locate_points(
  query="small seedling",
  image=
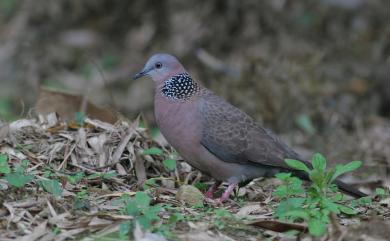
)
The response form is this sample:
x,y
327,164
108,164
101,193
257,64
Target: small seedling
x,y
74,179
144,214
153,151
51,186
4,167
315,204
170,164
17,176
105,175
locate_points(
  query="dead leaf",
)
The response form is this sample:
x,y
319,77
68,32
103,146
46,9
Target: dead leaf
x,y
277,226
65,105
38,232
140,170
140,235
203,236
248,209
95,221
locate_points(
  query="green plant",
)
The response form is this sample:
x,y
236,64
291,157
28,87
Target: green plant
x,y
170,164
4,167
382,193
51,186
80,118
315,204
142,212
74,179
105,175
220,216
152,151
17,176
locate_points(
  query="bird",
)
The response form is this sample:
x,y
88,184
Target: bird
x,y
214,136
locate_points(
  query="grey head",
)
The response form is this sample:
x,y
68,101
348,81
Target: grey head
x,y
161,67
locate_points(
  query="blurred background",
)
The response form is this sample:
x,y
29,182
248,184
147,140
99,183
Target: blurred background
x,y
316,72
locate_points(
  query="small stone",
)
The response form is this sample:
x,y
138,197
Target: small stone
x,y
190,195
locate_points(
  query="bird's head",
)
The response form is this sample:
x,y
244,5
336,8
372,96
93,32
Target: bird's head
x,y
161,67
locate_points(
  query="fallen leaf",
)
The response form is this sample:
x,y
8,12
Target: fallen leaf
x,y
277,226
38,232
65,105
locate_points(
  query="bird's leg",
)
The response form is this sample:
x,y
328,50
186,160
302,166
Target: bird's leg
x,y
225,196
212,189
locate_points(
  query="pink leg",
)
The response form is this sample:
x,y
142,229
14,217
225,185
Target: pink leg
x,y
225,196
212,189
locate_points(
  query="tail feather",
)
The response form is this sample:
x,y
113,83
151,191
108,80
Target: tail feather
x,y
348,189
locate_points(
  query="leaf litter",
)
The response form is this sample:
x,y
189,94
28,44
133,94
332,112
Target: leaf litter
x,y
81,171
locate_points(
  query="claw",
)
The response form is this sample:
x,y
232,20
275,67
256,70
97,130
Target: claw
x,y
225,196
212,189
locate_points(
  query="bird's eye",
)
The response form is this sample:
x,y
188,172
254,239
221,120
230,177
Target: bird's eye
x,y
158,65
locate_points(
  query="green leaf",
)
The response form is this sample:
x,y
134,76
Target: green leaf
x,y
4,167
297,214
331,206
364,201
109,174
142,199
51,186
124,229
288,205
298,165
319,162
153,151
380,191
346,210
176,217
93,176
73,179
22,167
149,183
152,212
132,209
317,177
144,222
201,186
281,191
80,118
317,227
283,176
18,179
341,169
170,164
305,123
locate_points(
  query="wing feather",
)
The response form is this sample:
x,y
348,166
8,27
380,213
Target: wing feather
x,y
233,136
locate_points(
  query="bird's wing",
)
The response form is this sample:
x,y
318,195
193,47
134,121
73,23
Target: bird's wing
x,y
233,136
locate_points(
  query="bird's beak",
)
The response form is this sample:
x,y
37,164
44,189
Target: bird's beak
x,y
142,73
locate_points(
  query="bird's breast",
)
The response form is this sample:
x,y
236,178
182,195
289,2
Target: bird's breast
x,y
180,124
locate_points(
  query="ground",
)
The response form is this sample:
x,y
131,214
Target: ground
x,y
316,73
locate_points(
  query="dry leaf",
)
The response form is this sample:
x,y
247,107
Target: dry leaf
x,y
277,226
65,105
38,232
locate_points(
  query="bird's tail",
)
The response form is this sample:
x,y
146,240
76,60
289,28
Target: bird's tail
x,y
348,189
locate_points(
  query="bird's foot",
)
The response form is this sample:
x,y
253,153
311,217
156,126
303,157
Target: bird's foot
x,y
209,194
225,196
212,189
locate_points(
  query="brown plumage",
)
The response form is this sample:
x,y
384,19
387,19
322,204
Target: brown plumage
x,y
213,135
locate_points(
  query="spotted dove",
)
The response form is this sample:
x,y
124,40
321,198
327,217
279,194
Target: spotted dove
x,y
212,135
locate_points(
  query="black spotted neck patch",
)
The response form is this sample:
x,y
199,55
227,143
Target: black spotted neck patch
x,y
179,87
